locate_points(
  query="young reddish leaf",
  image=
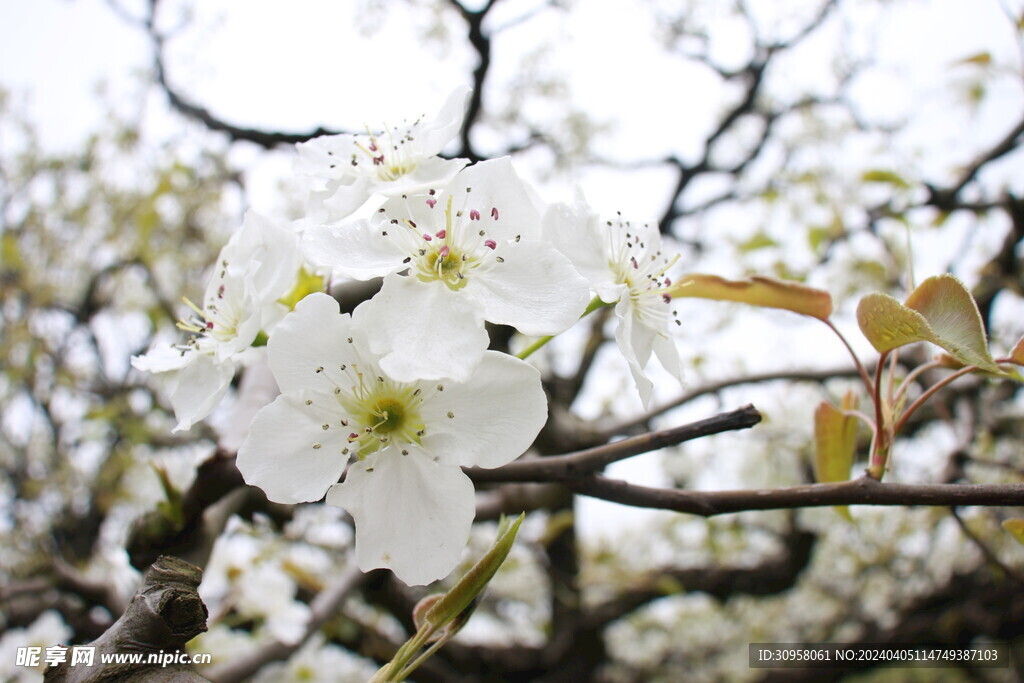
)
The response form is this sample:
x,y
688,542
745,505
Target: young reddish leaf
x,y
888,324
757,291
1017,355
835,443
1015,527
954,319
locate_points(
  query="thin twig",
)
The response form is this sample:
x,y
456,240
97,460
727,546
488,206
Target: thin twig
x,y
990,556
581,463
863,491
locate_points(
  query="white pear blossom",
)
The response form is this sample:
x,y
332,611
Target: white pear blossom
x,y
453,257
47,631
248,573
390,161
318,661
402,443
258,266
625,265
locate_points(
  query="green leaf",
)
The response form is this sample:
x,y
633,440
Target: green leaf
x,y
461,596
880,175
758,241
305,283
940,311
1015,527
757,291
835,443
953,315
888,324
171,508
439,617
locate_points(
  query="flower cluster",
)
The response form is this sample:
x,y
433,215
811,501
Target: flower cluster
x,y
395,398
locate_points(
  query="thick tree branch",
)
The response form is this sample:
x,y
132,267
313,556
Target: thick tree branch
x,y
164,614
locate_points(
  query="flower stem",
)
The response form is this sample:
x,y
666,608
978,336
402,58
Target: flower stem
x,y
930,392
881,442
594,304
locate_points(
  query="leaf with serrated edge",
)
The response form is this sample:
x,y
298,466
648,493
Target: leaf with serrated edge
x,y
1015,527
888,324
757,291
940,311
955,320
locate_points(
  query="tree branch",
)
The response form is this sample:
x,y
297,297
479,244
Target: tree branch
x,y
770,577
862,491
164,614
574,465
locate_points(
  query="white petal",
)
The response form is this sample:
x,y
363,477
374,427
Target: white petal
x,y
494,417
536,289
353,248
289,623
161,358
313,336
246,329
321,156
430,172
507,206
256,390
268,251
638,340
422,330
436,134
201,385
575,231
281,455
629,339
412,515
668,354
341,199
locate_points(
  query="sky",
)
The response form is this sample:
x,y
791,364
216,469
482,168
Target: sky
x,y
307,67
